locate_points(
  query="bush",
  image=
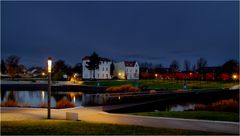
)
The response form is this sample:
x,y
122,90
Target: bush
x,y
9,103
64,104
123,88
229,105
225,105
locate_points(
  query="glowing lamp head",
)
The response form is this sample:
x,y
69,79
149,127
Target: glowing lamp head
x,y
49,64
234,76
119,74
156,75
43,74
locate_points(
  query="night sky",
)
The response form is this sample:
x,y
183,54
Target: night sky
x,y
156,32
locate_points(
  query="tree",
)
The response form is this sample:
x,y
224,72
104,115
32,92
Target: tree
x,y
186,65
77,68
174,66
194,67
158,66
12,63
59,69
230,67
3,67
201,62
112,68
93,63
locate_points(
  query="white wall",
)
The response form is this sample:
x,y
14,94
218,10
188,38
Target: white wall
x,y
124,72
103,72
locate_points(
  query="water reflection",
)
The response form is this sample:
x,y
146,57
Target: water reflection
x,y
43,95
38,98
182,107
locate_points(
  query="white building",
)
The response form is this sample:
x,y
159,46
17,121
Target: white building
x,y
103,72
127,70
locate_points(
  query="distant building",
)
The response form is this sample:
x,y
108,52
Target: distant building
x,y
127,70
103,72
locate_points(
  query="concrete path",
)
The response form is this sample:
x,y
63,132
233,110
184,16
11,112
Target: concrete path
x,y
96,115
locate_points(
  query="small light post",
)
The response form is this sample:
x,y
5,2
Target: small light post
x,y
49,86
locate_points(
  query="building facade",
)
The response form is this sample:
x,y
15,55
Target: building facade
x,y
127,70
103,72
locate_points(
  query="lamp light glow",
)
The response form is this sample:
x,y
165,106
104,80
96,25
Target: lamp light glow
x,y
234,77
49,64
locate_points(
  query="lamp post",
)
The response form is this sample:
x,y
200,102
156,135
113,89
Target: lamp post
x,y
49,86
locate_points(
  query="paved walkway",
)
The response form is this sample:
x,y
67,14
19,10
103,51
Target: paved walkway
x,y
96,115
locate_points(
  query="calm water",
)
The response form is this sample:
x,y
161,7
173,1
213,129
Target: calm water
x,y
37,98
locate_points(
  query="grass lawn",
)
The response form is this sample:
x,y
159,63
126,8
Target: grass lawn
x,y
164,84
47,127
205,115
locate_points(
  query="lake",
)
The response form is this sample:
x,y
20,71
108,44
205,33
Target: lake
x,y
39,97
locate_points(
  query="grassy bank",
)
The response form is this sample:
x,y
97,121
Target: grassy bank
x,y
205,115
47,127
164,84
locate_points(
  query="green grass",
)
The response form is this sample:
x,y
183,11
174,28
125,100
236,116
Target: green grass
x,y
205,115
47,127
165,84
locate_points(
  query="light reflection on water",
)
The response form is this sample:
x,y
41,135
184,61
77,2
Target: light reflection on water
x,y
37,98
183,107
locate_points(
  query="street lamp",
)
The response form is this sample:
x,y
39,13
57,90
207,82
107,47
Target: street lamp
x,y
49,86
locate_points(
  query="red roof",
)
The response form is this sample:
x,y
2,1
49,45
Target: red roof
x,y
101,59
129,63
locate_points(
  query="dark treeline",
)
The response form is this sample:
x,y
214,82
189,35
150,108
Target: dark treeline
x,y
62,71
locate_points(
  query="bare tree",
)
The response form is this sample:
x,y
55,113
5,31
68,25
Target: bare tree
x,y
3,67
201,62
12,63
186,65
194,67
174,66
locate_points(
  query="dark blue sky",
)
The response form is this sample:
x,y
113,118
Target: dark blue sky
x,y
156,32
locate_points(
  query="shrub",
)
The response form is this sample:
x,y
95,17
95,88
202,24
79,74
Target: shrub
x,y
9,103
122,88
200,107
133,89
64,104
229,105
225,105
